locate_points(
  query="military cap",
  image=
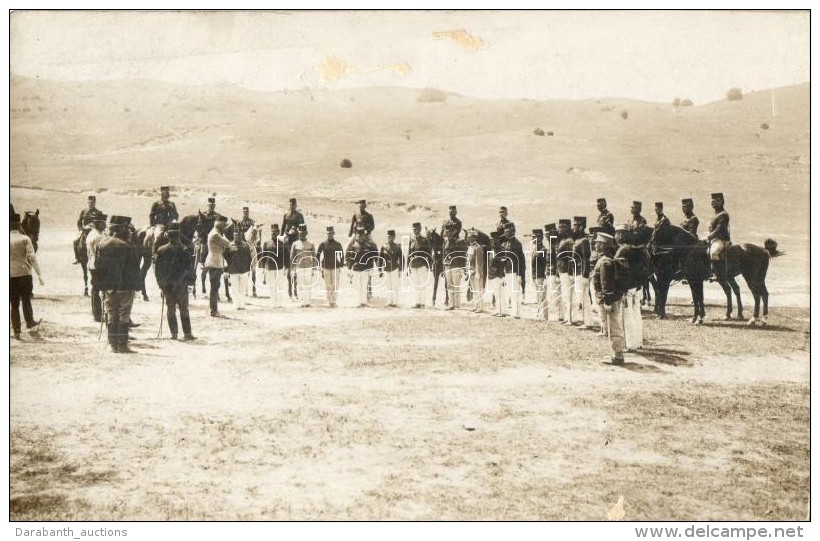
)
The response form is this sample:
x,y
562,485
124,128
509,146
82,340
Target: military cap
x,y
502,209
293,200
637,204
718,196
391,232
100,218
173,228
362,202
659,206
92,197
687,201
621,227
601,200
564,221
212,200
452,207
580,220
537,233
164,189
330,229
605,238
120,220
416,225
245,208
549,227
14,218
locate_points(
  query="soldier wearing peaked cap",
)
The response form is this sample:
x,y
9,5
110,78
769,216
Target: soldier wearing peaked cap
x,y
567,268
690,222
583,253
362,219
274,257
636,221
452,222
608,293
538,269
419,262
502,220
515,265
495,274
292,218
210,210
476,269
246,222
362,258
392,261
454,261
87,216
719,238
553,307
330,255
92,242
174,272
661,222
303,264
118,276
164,211
606,221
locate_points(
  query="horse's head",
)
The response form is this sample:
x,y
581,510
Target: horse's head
x,y
639,262
31,223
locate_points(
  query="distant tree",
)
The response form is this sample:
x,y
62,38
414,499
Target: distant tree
x,y
734,94
765,126
624,114
347,164
676,102
431,95
538,131
687,103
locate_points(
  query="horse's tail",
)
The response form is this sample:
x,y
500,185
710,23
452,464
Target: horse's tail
x,y
771,246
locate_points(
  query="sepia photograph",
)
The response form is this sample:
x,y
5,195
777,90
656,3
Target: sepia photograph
x,y
409,265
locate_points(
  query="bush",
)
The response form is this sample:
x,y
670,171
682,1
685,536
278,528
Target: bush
x,y
765,126
624,114
538,131
347,164
687,103
550,133
734,94
431,95
676,102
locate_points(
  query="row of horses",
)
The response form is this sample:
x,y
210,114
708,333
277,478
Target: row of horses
x,y
673,254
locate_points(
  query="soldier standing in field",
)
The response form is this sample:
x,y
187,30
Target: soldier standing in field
x,y
330,255
362,219
92,241
303,263
418,265
393,261
452,222
609,294
274,259
174,273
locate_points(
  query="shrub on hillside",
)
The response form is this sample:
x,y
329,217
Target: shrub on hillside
x,y
346,164
687,103
538,131
624,114
734,94
431,95
765,126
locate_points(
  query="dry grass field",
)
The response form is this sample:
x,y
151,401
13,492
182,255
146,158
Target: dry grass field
x,y
396,413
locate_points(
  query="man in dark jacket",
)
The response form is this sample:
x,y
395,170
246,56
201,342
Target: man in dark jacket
x,y
454,260
330,255
173,267
393,260
362,258
609,293
275,259
239,264
515,265
118,276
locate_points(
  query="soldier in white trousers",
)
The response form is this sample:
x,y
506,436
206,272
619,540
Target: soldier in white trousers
x,y
418,266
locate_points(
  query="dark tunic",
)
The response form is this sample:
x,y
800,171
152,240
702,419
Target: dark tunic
x,y
392,258
331,254
162,213
563,253
606,221
173,267
419,253
515,262
691,224
362,256
454,224
364,219
583,255
454,254
273,254
238,255
719,226
291,219
538,261
87,216
117,266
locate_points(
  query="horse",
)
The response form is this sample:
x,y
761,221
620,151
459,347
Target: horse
x,y
31,226
81,249
436,246
752,262
641,237
677,254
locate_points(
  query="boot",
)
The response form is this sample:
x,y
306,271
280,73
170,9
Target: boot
x,y
123,339
186,328
112,336
172,325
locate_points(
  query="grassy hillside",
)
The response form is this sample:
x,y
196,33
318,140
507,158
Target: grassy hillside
x,y
409,152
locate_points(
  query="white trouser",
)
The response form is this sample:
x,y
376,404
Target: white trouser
x,y
582,295
331,277
276,280
360,280
240,281
393,279
615,327
452,281
512,284
419,281
567,290
496,287
633,321
554,305
540,297
304,283
478,291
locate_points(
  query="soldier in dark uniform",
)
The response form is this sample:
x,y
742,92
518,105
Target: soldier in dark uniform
x,y
330,255
515,267
292,218
495,274
502,221
538,268
566,267
118,276
174,273
87,215
661,221
246,222
210,211
419,263
454,261
452,222
583,253
393,261
362,257
553,310
636,221
606,221
163,212
719,238
690,222
609,294
274,256
363,219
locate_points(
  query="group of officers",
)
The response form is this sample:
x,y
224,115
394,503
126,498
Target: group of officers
x,y
571,271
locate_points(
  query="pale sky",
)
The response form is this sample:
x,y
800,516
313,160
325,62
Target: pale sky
x,y
649,55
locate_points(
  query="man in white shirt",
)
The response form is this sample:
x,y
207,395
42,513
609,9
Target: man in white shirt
x,y
21,261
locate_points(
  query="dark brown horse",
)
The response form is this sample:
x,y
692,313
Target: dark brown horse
x,y
436,246
752,262
31,226
679,255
